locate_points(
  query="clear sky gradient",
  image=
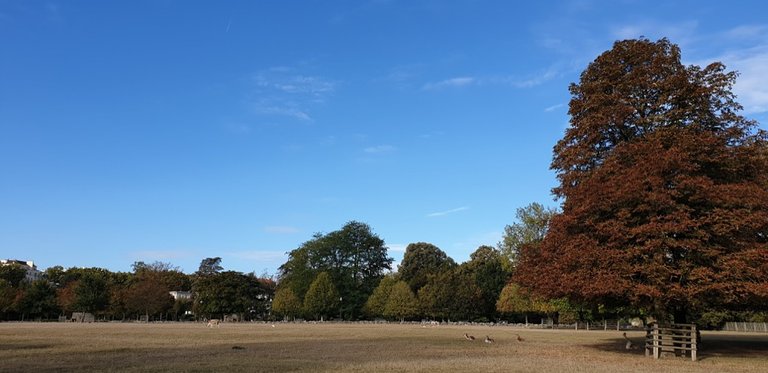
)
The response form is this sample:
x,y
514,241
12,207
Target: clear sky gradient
x,y
178,130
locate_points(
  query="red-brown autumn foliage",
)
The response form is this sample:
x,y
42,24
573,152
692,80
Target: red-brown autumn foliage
x,y
664,188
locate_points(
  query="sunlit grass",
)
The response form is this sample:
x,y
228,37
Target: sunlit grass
x,y
349,348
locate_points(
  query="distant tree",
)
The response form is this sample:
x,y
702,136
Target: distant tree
x,y
7,295
354,258
420,261
374,306
286,304
664,188
208,266
488,267
531,227
38,300
453,295
322,298
55,275
513,300
148,297
401,303
14,274
91,293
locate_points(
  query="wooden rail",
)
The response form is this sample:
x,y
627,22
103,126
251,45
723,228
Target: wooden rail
x,y
679,339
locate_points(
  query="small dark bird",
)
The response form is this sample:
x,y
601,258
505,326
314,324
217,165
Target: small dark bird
x,y
519,338
469,337
238,348
629,344
488,339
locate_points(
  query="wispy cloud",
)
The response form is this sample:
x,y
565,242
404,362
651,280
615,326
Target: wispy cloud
x,y
554,107
378,149
747,53
281,229
443,213
752,84
450,83
397,247
285,91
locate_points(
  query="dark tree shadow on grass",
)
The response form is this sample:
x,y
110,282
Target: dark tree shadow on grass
x,y
712,345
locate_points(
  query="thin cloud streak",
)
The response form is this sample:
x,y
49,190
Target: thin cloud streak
x,y
450,83
443,213
379,149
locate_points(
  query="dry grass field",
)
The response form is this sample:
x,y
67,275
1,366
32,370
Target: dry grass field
x,y
191,347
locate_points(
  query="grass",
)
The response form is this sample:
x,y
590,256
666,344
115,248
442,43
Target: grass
x,y
191,347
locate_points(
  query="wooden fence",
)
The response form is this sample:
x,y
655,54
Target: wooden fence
x,y
680,339
759,327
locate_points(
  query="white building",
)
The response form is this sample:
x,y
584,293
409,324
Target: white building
x,y
32,272
183,295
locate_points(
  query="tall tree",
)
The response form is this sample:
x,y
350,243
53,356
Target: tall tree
x,y
531,227
39,300
664,188
487,266
421,261
374,306
286,304
148,297
354,258
322,298
401,303
14,274
91,293
208,266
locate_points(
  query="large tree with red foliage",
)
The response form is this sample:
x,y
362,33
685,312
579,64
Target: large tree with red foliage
x,y
664,188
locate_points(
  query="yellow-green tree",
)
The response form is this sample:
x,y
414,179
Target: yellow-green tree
x,y
286,304
322,298
401,303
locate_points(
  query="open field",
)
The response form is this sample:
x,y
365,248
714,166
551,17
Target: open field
x,y
350,348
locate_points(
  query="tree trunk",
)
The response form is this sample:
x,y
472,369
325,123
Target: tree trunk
x,y
680,315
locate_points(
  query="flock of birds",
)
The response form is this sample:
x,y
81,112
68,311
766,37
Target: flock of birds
x,y
488,339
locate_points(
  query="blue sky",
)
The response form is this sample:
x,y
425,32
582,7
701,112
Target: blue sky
x,y
179,130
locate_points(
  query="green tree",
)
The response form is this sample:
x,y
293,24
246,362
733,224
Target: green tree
x,y
374,306
286,304
208,266
322,298
513,299
420,261
7,295
531,227
401,303
91,293
488,267
14,274
354,258
453,295
664,189
38,300
229,292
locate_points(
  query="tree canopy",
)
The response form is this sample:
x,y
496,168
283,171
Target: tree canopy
x,y
421,261
664,190
353,257
531,227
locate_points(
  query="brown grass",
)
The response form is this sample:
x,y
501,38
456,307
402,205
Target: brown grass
x,y
350,348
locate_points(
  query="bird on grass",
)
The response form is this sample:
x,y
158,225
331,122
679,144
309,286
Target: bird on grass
x,y
519,338
488,339
629,345
469,337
